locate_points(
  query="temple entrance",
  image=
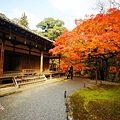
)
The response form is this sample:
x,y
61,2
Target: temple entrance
x,y
12,61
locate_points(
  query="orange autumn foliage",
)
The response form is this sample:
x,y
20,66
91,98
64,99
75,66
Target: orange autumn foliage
x,y
101,32
97,36
112,69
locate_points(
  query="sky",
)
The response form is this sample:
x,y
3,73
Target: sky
x,y
37,10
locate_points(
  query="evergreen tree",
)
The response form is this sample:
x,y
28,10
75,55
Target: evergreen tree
x,y
23,20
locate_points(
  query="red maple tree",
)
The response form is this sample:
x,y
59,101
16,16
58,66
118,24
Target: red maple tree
x,y
97,37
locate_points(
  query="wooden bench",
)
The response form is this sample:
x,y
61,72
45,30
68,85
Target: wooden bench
x,y
29,71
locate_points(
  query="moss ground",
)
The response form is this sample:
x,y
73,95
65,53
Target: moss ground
x,y
100,102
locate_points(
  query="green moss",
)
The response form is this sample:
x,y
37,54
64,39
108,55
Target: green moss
x,y
96,103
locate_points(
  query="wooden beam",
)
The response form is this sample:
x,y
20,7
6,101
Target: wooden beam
x,y
59,62
14,43
2,55
41,62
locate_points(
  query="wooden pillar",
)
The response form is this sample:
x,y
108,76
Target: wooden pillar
x,y
41,62
2,55
59,62
14,43
29,56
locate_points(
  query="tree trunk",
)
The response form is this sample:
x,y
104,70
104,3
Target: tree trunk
x,y
117,72
106,70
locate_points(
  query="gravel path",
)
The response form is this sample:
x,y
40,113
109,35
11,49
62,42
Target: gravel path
x,y
42,103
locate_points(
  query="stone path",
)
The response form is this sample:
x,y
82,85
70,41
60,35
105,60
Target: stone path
x,y
41,103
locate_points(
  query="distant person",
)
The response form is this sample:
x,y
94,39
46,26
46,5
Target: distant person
x,y
70,72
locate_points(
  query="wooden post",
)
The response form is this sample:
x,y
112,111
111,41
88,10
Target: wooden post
x,y
2,55
29,62
14,43
84,85
30,49
65,94
41,62
59,61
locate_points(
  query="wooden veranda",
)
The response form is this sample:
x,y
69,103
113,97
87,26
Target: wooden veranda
x,y
21,49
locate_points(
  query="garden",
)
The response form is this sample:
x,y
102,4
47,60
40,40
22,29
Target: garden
x,y
101,102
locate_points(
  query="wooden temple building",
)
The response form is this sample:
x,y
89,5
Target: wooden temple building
x,y
22,49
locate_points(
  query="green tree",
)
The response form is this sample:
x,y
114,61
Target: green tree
x,y
51,28
23,20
